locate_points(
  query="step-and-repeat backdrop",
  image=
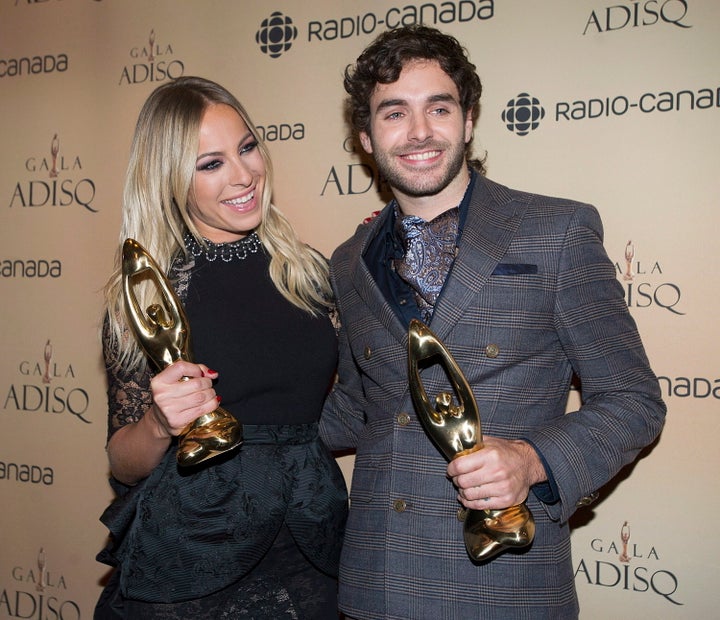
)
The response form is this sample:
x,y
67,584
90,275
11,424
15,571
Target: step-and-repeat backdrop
x,y
613,102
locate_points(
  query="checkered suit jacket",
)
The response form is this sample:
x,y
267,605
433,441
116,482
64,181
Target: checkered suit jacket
x,y
532,278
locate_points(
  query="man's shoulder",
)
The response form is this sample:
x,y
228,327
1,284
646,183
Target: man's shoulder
x,y
368,227
505,198
503,193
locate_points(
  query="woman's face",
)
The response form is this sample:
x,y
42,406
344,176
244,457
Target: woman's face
x,y
227,187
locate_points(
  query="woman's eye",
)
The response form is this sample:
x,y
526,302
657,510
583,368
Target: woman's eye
x,y
210,165
250,146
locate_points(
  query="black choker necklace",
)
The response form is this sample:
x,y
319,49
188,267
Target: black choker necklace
x,y
226,251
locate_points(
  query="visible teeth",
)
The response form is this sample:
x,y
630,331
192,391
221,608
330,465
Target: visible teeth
x,y
240,201
422,156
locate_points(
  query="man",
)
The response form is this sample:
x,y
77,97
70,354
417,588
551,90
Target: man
x,y
522,293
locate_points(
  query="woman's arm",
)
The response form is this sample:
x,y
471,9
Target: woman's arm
x,y
146,412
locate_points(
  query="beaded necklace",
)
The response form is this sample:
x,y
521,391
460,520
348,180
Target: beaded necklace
x,y
227,252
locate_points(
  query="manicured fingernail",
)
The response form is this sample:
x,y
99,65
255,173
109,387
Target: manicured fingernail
x,y
218,399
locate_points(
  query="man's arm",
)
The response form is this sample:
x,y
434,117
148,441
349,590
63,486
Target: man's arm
x,y
622,411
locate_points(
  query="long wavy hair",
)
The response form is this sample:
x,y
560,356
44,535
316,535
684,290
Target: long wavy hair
x,y
155,206
383,60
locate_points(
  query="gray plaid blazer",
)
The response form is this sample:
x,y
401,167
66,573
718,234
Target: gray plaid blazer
x,y
532,278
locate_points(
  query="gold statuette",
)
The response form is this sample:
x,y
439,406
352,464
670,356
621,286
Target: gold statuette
x,y
455,429
163,333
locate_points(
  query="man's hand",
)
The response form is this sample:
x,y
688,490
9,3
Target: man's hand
x,y
499,475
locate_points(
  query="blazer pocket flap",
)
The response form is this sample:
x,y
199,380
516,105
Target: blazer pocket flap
x,y
514,269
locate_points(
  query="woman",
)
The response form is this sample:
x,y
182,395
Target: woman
x,y
254,533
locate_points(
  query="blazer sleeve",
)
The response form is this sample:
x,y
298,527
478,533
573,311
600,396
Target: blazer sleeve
x,y
343,416
622,410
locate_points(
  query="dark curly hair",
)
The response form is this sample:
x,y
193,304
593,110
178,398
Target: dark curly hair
x,y
383,60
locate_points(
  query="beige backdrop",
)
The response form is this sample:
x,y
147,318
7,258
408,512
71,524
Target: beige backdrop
x,y
612,102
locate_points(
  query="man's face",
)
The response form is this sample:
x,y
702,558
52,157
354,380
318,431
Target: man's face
x,y
418,131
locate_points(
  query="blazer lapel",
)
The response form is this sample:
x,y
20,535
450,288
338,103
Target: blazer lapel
x,y
365,284
492,222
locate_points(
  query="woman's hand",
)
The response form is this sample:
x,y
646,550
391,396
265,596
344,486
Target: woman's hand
x,y
136,449
182,392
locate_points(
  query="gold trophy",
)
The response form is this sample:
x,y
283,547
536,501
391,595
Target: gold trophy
x,y
625,537
47,356
41,562
455,429
151,41
163,333
629,255
54,150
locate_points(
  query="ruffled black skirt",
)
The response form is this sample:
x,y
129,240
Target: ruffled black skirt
x,y
262,524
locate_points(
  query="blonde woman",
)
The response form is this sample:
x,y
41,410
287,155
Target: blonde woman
x,y
254,533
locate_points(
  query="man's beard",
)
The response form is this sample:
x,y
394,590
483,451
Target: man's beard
x,y
421,183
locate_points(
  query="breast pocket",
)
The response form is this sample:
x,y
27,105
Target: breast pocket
x,y
515,269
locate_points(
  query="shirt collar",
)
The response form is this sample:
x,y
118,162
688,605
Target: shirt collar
x,y
390,229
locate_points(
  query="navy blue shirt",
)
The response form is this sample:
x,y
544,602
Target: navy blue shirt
x,y
387,246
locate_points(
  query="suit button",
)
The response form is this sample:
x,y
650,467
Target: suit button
x,y
492,351
367,353
587,499
400,505
403,419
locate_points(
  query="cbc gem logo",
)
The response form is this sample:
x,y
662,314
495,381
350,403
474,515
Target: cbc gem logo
x,y
276,34
523,114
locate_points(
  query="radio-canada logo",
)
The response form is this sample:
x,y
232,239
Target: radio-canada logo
x,y
523,114
57,180
276,34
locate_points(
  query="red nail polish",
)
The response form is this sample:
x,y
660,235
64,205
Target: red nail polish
x,y
218,399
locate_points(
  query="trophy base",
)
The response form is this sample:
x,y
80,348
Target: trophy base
x,y
489,532
207,437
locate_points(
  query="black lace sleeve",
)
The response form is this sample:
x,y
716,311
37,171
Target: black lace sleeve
x,y
128,390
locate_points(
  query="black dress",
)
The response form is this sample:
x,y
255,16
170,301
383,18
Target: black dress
x,y
255,533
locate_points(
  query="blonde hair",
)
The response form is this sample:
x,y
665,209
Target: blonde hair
x,y
155,206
